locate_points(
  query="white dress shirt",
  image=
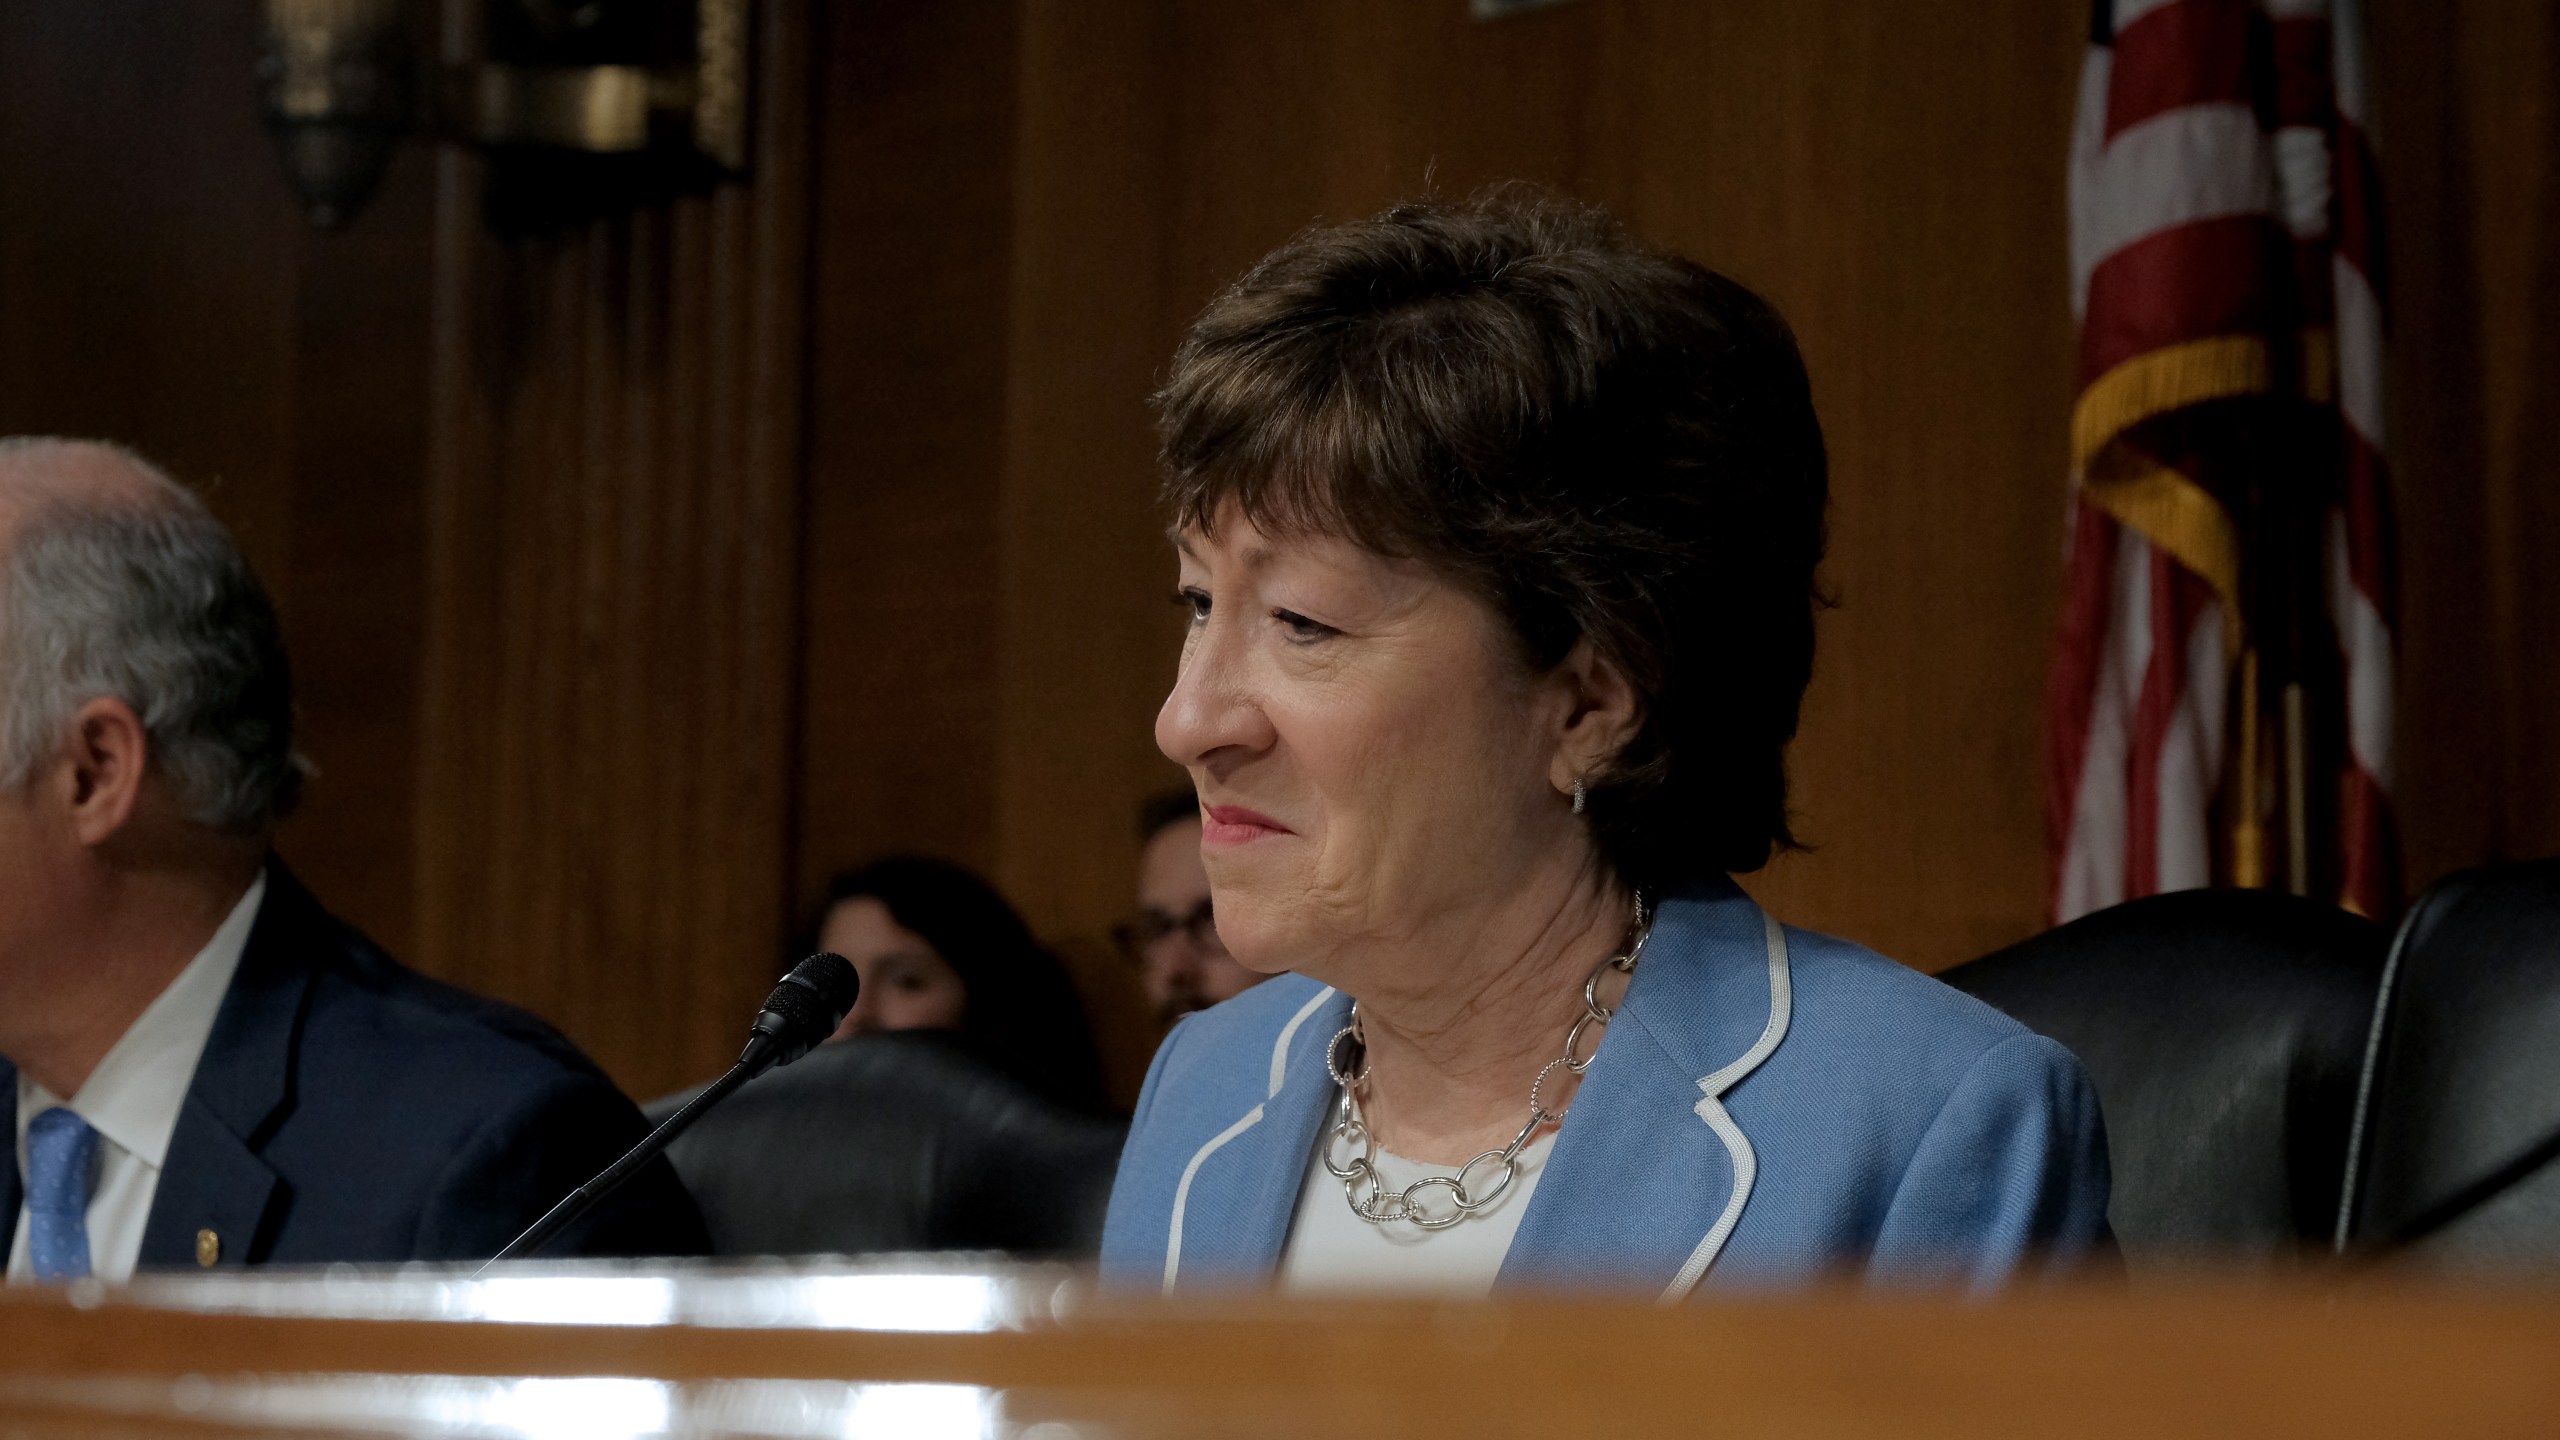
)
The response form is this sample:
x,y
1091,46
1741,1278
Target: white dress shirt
x,y
133,1097
1333,1250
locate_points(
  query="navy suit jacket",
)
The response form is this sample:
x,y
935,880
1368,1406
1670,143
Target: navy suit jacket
x,y
1775,1104
350,1109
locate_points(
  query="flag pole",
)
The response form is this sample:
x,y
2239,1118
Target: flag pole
x,y
2297,792
2248,833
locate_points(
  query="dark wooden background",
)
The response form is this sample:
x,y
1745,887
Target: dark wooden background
x,y
641,573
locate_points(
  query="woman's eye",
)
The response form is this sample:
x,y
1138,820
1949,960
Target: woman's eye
x,y
1301,629
1195,601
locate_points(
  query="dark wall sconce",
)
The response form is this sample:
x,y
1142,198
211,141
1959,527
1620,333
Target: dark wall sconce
x,y
593,94
338,84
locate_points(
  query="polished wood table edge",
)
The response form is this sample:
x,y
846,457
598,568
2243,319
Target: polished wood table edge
x,y
2194,1356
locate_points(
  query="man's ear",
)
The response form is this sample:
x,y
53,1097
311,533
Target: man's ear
x,y
1602,716
105,761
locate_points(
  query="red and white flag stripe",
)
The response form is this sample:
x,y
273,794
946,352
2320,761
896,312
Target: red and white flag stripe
x,y
2219,151
2364,602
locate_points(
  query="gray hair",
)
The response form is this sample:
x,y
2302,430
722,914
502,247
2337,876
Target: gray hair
x,y
148,600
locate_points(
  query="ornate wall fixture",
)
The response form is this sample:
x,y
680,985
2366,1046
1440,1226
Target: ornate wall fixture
x,y
593,102
337,83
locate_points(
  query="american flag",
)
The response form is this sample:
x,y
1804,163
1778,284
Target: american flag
x,y
2219,711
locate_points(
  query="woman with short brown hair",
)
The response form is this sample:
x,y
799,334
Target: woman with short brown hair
x,y
1499,532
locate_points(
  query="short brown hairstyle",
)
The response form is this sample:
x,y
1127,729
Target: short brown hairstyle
x,y
1601,440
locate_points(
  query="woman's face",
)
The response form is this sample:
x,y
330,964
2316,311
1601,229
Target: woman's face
x,y
905,985
1374,760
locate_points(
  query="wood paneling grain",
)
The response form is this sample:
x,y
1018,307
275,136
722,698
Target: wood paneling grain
x,y
613,541
1895,182
354,579
1088,632
148,249
911,289
2467,100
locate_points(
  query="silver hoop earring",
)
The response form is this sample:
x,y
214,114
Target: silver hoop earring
x,y
1577,794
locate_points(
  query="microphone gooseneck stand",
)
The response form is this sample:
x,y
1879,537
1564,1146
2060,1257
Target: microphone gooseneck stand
x,y
802,1011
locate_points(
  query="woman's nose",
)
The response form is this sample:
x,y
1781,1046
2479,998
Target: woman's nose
x,y
1211,708
862,1019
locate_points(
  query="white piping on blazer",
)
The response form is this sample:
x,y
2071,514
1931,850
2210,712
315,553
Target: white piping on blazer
x,y
1746,1162
1251,1118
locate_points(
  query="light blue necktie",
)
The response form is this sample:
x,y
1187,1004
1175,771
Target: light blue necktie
x,y
61,1151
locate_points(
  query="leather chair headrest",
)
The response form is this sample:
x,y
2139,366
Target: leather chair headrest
x,y
2224,1030
903,1140
2457,1153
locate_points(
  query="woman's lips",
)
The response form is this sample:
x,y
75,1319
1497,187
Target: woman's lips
x,y
1235,825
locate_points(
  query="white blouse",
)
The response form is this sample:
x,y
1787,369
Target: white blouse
x,y
1332,1250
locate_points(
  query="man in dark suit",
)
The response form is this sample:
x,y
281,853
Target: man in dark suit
x,y
207,1068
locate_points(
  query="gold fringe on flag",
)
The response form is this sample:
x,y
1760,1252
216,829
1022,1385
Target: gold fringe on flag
x,y
2163,380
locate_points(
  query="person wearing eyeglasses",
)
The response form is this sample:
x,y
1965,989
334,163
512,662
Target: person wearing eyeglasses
x,y
1173,940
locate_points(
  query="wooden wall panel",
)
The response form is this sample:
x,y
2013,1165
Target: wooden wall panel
x,y
354,578
148,249
1893,178
1085,587
2468,118
911,287
613,536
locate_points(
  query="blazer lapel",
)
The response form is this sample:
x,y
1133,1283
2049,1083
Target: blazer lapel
x,y
1700,1002
9,1189
213,1182
213,1186
1233,1208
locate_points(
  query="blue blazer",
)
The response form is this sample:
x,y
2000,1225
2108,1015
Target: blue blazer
x,y
1769,1107
348,1108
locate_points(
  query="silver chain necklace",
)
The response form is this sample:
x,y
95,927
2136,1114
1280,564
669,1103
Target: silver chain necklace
x,y
1368,1194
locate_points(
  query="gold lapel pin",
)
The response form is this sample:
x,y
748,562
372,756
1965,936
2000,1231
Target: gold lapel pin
x,y
208,1248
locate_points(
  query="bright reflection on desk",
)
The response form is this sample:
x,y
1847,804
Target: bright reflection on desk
x,y
920,1412
956,1303
533,1408
597,1409
909,1293
462,1407
564,1300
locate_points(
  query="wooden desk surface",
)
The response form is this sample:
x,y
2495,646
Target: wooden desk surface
x,y
927,1350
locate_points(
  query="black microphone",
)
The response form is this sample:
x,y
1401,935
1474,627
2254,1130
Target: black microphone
x,y
803,1010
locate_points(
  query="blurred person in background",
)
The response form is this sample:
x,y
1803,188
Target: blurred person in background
x,y
1173,941
939,949
960,1106
1498,533
209,1069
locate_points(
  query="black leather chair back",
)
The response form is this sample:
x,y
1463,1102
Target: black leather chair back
x,y
2224,1030
2457,1142
895,1141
